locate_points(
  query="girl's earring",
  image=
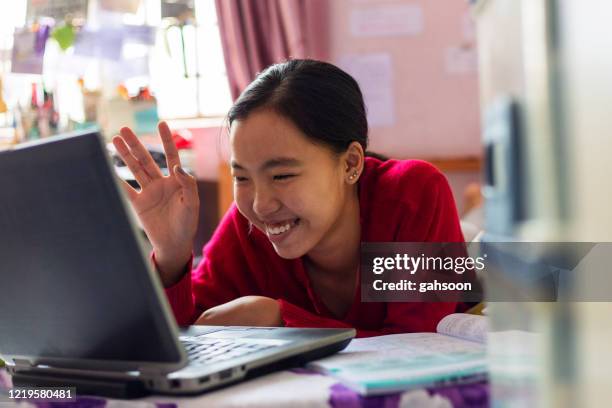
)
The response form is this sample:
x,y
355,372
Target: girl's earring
x,y
353,176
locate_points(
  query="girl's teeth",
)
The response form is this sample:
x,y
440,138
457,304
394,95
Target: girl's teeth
x,y
279,230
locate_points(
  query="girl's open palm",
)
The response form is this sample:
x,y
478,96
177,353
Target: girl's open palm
x,y
167,206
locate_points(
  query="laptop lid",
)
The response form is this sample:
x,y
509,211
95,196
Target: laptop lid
x,y
76,289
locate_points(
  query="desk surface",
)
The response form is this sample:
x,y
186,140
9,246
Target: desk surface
x,y
296,388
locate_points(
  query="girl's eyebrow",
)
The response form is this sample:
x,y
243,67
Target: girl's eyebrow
x,y
281,162
272,163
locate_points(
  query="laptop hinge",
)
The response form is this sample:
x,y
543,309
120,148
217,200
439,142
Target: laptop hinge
x,y
22,363
18,364
149,372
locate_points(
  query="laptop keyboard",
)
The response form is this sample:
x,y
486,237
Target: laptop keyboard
x,y
207,350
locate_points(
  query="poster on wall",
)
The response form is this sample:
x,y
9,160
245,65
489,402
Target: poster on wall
x,y
104,43
27,54
374,73
386,20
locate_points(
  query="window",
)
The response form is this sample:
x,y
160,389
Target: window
x,y
186,84
188,73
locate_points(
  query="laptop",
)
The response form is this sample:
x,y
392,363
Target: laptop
x,y
80,304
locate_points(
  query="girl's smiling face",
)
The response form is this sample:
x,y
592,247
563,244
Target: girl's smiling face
x,y
291,189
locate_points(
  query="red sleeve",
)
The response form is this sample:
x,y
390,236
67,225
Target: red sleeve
x,y
221,276
179,295
438,221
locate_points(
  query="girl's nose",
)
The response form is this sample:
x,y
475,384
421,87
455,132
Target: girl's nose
x,y
265,203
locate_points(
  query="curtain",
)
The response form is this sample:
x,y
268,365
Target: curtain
x,y
258,33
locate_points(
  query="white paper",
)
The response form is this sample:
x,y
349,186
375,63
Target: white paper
x,y
387,20
138,34
465,326
103,43
408,344
402,349
374,73
461,60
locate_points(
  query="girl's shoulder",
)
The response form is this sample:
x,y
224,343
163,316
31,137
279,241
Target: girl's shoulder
x,y
400,178
407,200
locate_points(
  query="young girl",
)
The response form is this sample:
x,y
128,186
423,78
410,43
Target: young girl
x,y
306,196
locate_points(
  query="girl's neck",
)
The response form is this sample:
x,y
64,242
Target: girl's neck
x,y
338,252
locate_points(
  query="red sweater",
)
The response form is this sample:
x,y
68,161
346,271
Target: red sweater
x,y
400,201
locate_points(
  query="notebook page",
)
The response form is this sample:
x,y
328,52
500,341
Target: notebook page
x,y
402,348
407,343
464,326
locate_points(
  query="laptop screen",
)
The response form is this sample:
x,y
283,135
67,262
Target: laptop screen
x,y
74,283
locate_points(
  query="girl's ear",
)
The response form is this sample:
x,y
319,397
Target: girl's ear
x,y
353,162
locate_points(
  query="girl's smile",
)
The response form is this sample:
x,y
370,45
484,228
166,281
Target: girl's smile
x,y
277,232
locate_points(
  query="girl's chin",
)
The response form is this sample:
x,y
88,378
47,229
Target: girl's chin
x,y
288,252
289,244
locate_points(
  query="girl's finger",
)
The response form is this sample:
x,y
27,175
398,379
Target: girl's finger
x,y
133,164
140,153
189,184
172,156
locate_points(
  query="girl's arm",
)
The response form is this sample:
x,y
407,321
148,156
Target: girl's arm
x,y
401,318
221,276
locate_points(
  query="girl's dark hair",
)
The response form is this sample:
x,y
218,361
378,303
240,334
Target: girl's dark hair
x,y
323,101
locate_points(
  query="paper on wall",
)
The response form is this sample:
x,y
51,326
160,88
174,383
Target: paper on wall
x,y
387,20
374,73
25,58
138,34
103,43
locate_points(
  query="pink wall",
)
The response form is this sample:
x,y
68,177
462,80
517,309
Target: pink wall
x,y
429,47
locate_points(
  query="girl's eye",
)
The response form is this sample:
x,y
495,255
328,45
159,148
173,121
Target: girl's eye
x,y
283,176
240,179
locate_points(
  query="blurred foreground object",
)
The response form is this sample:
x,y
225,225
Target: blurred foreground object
x,y
544,92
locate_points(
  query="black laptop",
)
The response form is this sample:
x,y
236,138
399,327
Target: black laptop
x,y
80,304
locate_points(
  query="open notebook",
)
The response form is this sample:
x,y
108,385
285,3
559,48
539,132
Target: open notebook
x,y
397,362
